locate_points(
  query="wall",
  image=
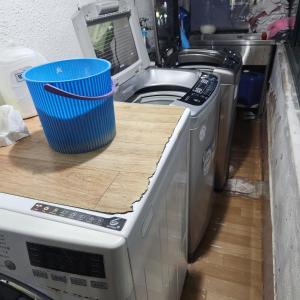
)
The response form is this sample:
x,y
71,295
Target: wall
x,y
44,26
284,167
146,9
218,13
185,4
268,278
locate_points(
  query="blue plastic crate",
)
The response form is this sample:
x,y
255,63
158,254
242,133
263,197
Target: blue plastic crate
x,y
250,88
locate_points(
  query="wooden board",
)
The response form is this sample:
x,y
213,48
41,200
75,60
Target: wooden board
x,y
107,180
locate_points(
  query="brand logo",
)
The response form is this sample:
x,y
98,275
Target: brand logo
x,y
19,74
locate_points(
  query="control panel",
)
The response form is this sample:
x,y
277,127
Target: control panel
x,y
66,260
230,63
233,60
202,90
64,272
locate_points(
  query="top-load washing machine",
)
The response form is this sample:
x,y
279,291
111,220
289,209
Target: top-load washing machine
x,y
228,64
203,100
143,83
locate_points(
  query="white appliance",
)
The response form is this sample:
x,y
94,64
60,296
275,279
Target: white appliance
x,y
64,253
117,37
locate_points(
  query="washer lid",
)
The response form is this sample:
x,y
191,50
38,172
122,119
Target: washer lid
x,y
224,58
201,56
115,36
157,80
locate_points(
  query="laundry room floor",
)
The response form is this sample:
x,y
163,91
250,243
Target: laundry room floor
x,y
229,259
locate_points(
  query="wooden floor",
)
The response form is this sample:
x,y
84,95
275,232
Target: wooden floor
x,y
229,260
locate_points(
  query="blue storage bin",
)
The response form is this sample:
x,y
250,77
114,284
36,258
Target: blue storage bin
x,y
250,88
74,100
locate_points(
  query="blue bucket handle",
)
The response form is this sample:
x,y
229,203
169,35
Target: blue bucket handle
x,y
54,90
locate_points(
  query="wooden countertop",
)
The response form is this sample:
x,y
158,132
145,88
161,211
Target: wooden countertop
x,y
107,180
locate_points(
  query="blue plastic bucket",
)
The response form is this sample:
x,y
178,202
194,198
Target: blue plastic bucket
x,y
74,100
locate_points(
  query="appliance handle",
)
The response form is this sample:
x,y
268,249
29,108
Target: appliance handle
x,y
54,90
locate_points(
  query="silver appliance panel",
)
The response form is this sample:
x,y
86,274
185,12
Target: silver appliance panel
x,y
201,56
226,76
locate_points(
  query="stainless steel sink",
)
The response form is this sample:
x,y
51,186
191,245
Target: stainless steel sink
x,y
204,56
253,49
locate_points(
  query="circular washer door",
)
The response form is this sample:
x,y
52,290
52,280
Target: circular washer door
x,y
12,291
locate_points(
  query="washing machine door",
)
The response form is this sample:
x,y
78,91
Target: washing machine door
x,y
10,289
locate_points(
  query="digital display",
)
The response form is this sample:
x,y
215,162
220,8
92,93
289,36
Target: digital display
x,y
65,260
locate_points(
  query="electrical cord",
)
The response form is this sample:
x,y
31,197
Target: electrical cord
x,y
116,49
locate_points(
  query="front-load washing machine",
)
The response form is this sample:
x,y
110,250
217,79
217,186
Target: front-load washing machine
x,y
117,37
66,251
228,64
11,289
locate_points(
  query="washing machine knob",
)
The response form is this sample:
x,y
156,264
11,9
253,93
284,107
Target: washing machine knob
x,y
10,265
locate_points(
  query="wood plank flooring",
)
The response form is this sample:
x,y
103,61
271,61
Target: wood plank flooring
x,y
229,259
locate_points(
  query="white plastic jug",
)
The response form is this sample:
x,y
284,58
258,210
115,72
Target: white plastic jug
x,y
14,60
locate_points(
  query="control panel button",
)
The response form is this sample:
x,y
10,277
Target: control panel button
x,y
202,90
99,285
59,278
78,281
40,274
10,265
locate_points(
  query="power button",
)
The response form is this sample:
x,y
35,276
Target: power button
x,y
10,265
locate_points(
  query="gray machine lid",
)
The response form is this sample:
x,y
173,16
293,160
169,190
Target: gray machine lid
x,y
158,80
164,79
224,58
201,56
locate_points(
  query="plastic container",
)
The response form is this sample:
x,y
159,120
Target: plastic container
x,y
250,88
74,100
14,61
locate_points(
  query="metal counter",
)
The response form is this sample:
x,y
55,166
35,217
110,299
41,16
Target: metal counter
x,y
254,51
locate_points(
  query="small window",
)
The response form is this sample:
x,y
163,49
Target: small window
x,y
112,40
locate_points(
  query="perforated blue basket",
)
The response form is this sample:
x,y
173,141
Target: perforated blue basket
x,y
74,100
